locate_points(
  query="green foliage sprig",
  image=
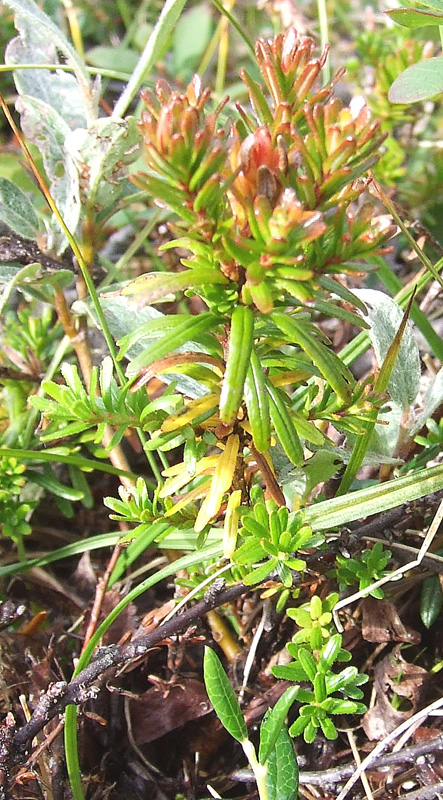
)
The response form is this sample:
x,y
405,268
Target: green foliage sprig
x,y
276,769
315,650
368,567
272,534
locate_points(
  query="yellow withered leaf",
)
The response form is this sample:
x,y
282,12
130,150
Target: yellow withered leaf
x,y
221,482
192,410
183,477
230,531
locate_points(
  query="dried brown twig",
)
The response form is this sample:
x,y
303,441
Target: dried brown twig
x,y
15,744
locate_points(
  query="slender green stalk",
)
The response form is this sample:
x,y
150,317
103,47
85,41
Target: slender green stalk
x,y
235,24
153,49
105,73
427,263
185,562
71,753
324,36
260,771
125,12
57,358
87,464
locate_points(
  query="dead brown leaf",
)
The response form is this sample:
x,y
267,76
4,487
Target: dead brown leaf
x,y
154,713
381,623
393,677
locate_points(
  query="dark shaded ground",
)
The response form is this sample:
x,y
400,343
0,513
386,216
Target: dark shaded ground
x,y
146,729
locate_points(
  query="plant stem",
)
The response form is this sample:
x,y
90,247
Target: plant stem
x,y
260,770
324,36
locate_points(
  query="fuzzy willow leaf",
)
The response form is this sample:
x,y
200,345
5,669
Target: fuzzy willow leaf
x,y
32,22
16,210
102,154
222,697
385,317
283,772
57,88
382,383
273,723
48,131
11,276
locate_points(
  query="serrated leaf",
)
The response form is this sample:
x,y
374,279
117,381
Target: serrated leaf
x,y
222,697
419,82
43,126
330,652
261,573
415,17
102,154
17,211
308,663
273,722
283,772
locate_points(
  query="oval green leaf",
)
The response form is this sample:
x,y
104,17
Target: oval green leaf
x,y
419,82
16,210
415,17
273,723
282,777
222,697
431,600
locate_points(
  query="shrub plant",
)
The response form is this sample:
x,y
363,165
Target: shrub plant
x,y
235,395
